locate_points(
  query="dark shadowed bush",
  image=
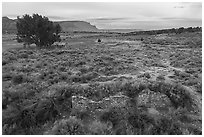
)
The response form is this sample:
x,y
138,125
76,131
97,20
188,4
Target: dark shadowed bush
x,y
18,79
113,115
142,122
71,126
132,90
23,117
46,110
23,55
4,62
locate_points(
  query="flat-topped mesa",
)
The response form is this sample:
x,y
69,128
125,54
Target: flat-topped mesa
x,y
77,26
9,26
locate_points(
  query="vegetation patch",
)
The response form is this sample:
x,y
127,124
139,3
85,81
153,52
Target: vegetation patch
x,y
151,87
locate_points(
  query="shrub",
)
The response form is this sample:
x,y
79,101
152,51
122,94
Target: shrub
x,y
99,128
6,76
23,55
75,78
179,120
4,62
181,97
166,126
63,76
113,115
160,77
132,90
173,122
62,95
46,110
85,69
178,94
142,122
18,79
99,40
71,126
89,76
83,115
146,75
21,116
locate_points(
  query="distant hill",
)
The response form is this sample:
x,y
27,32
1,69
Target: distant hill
x,y
162,31
9,26
120,30
76,26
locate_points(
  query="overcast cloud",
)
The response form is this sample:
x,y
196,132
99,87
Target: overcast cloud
x,y
114,15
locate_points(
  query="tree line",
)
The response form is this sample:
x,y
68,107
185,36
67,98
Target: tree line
x,y
173,30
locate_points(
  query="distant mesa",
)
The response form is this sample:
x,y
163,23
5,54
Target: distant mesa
x,y
9,26
76,26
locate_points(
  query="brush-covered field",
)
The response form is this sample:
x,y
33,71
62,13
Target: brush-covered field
x,y
121,85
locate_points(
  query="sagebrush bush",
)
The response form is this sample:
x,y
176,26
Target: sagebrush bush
x,y
89,76
63,76
142,122
21,116
62,68
84,78
71,126
75,78
23,55
46,110
84,69
113,115
180,120
7,76
177,93
160,77
18,79
98,91
61,89
99,128
4,62
133,89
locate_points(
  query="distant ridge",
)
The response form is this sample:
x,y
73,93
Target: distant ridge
x,y
76,26
162,31
120,30
9,26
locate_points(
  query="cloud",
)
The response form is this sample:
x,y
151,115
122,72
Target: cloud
x,y
108,19
55,18
180,18
179,7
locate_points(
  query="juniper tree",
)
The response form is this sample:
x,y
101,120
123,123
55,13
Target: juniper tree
x,y
37,29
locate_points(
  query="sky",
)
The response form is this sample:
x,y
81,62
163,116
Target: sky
x,y
114,15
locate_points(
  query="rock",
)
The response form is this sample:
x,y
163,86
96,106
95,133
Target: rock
x,y
152,99
79,103
153,111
